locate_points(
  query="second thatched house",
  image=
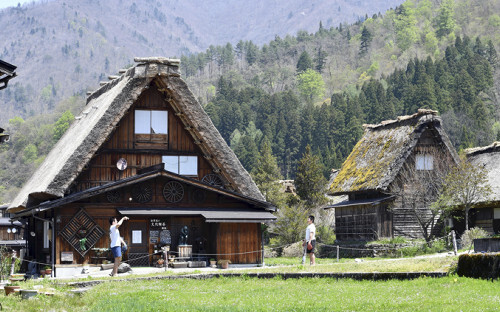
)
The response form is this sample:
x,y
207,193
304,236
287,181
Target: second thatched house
x,y
486,212
390,177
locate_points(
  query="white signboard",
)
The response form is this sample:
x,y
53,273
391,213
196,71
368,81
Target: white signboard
x,y
67,256
137,237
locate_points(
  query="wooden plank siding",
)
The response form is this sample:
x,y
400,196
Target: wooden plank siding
x,y
124,143
237,242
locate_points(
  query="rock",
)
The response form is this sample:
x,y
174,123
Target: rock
x,y
124,267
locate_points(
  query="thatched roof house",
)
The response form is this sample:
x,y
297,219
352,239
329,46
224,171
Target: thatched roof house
x,y
104,110
145,148
369,173
487,211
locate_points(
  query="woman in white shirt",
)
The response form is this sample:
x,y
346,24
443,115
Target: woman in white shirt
x,y
116,242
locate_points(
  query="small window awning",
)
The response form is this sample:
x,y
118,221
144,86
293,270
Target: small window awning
x,y
359,202
210,214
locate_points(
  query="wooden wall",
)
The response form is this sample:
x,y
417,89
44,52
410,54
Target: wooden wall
x,y
363,222
239,242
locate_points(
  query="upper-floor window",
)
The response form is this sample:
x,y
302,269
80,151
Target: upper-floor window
x,y
424,162
184,165
151,122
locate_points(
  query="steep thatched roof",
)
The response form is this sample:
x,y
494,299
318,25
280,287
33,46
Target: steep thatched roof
x,y
377,158
106,107
489,158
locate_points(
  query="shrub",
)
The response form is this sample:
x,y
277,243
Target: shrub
x,y
485,266
471,234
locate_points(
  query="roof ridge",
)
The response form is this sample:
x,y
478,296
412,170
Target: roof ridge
x,y
482,149
420,113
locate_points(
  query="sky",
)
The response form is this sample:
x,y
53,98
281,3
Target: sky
x,y
9,3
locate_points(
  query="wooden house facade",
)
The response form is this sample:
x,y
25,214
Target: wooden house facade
x,y
389,178
486,212
143,147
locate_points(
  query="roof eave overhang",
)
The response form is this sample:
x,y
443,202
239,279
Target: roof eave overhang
x,y
47,205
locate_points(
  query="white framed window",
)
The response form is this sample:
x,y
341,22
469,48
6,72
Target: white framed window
x,y
496,213
424,162
184,165
151,122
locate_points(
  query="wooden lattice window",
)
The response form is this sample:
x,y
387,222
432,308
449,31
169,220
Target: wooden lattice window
x,y
82,232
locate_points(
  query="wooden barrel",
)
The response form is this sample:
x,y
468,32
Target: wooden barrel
x,y
185,251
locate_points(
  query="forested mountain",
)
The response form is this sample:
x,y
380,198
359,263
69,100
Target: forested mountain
x,y
65,47
319,88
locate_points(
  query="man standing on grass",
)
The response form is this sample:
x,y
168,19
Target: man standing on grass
x,y
311,239
116,242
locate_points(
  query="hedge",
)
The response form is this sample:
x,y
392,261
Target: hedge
x,y
486,266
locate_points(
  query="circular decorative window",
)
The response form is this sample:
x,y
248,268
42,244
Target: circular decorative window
x,y
114,196
173,192
198,196
142,193
213,180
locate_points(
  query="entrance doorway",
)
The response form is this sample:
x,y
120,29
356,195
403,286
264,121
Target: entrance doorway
x,y
138,243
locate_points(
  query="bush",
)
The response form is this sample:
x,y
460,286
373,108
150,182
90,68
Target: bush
x,y
486,266
325,234
471,234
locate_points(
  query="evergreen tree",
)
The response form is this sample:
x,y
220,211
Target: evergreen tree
x,y
304,63
492,54
320,60
309,181
366,38
266,174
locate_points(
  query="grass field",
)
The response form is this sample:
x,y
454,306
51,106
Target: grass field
x,y
251,294
451,293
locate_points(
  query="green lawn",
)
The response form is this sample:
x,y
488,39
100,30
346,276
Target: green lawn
x,y
252,294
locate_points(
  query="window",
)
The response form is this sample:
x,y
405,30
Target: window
x,y
424,162
184,165
151,122
496,213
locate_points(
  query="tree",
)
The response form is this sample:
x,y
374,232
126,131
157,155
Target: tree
x,y
266,174
311,85
62,124
310,182
464,186
366,38
320,60
405,25
304,63
445,21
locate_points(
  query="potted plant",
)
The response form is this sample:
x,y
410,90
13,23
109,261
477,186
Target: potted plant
x,y
48,270
213,263
224,263
11,288
42,272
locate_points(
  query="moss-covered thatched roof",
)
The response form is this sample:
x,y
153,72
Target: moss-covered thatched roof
x,y
105,108
489,158
377,158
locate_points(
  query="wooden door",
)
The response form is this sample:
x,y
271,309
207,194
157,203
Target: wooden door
x,y
138,243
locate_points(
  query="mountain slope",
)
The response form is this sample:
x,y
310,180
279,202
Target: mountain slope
x,y
62,47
